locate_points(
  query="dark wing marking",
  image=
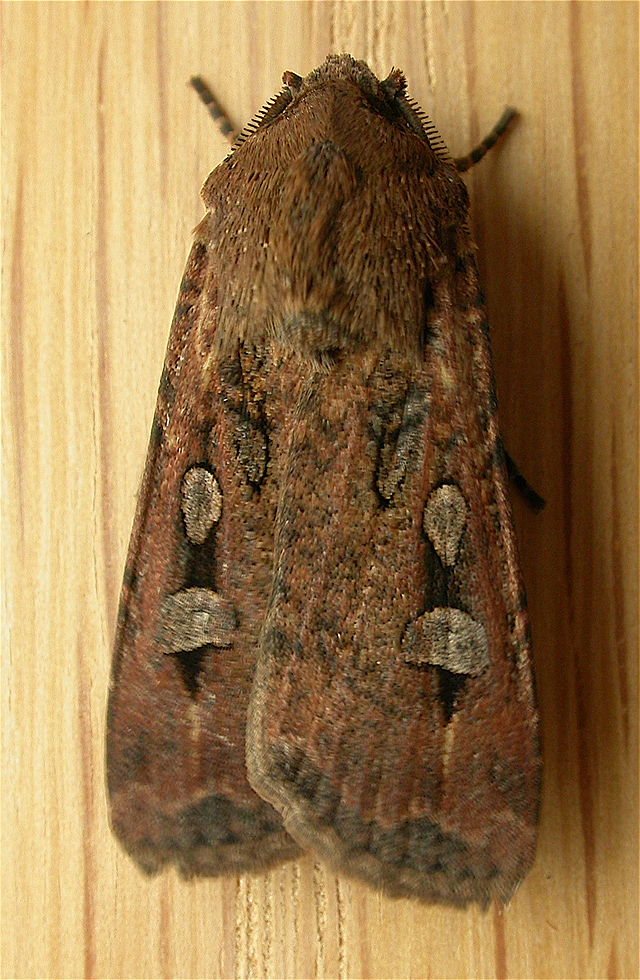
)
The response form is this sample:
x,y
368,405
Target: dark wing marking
x,y
392,720
196,587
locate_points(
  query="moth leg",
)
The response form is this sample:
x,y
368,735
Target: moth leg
x,y
522,485
464,163
216,111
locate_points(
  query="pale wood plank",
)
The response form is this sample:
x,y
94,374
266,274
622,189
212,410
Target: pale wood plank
x,y
104,151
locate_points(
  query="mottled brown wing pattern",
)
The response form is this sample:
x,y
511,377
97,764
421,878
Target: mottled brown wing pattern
x,y
191,612
392,720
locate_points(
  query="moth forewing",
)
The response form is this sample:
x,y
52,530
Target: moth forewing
x,y
190,615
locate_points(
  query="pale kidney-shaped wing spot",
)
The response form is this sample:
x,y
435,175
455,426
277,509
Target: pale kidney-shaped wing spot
x,y
449,638
201,503
194,617
445,517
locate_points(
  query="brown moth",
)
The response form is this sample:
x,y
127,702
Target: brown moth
x,y
323,578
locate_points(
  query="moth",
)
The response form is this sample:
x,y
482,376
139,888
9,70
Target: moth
x,y
323,639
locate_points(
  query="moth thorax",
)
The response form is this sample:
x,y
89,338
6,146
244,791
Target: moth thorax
x,y
317,335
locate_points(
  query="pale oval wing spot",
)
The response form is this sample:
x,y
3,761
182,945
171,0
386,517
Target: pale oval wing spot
x,y
195,617
449,638
201,503
445,518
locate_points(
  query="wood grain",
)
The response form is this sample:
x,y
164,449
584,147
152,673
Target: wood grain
x,y
104,149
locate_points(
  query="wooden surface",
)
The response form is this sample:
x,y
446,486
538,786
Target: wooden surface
x,y
104,151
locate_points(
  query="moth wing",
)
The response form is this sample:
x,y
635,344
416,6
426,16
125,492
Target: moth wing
x,y
392,720
195,592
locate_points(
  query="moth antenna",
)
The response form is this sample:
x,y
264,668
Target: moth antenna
x,y
464,163
217,112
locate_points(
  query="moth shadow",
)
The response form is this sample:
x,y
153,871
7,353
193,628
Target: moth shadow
x,y
550,421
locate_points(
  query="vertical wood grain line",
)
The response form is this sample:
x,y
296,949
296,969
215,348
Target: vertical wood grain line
x,y
343,966
580,136
164,939
470,64
248,943
15,355
267,936
621,651
295,904
613,972
254,930
585,788
88,796
382,26
427,25
500,944
163,122
320,900
104,434
343,25
241,929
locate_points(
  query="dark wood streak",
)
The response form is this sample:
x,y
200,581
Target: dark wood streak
x,y
622,657
580,136
471,61
104,434
89,817
613,970
585,786
500,945
161,104
165,950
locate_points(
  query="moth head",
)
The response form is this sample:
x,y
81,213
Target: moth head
x,y
388,97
